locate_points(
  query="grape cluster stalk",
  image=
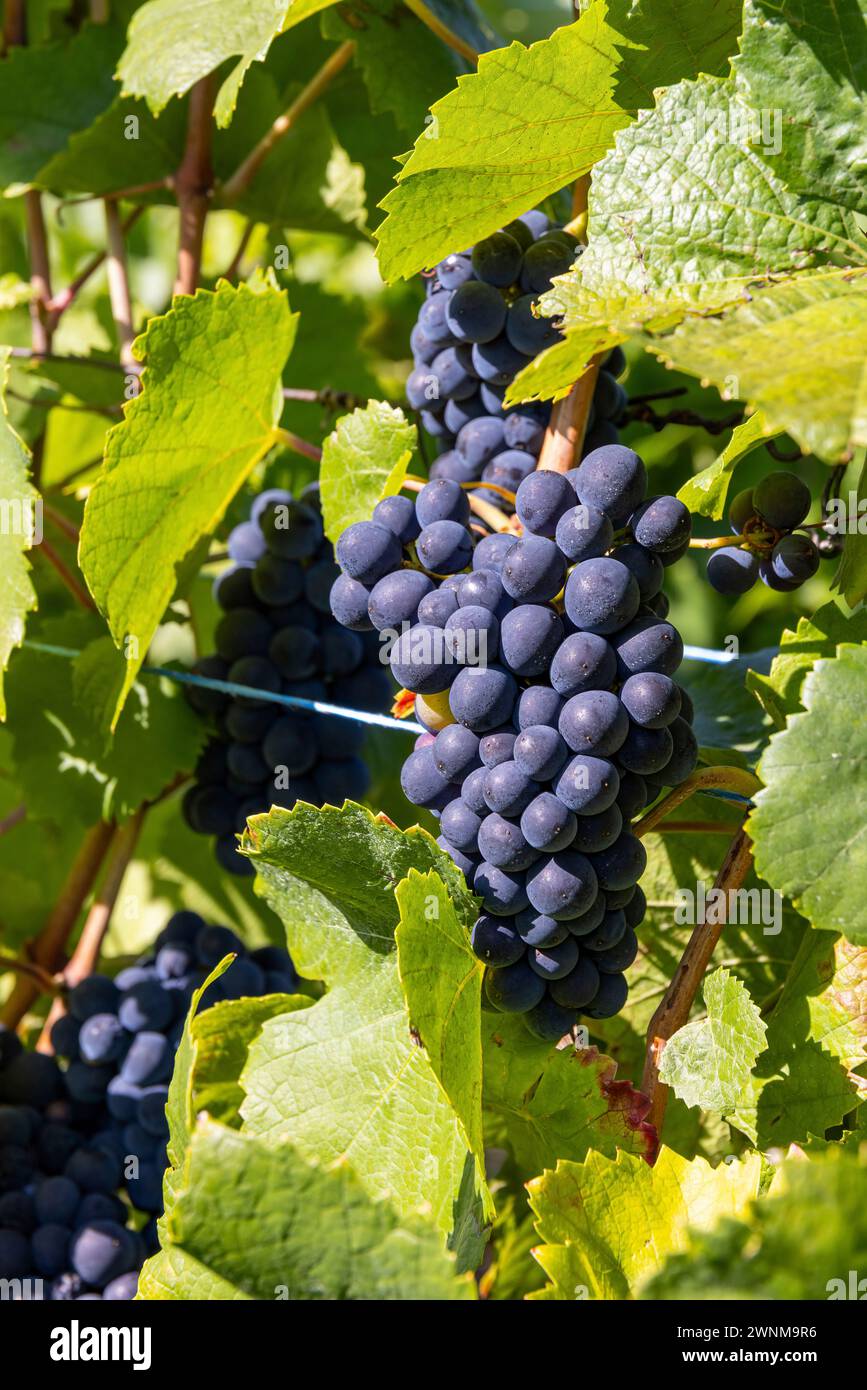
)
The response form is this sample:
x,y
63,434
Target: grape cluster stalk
x,y
277,635
542,666
83,1144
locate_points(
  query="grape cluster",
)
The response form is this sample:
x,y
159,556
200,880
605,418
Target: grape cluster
x,y
543,669
767,517
61,1221
120,1035
67,1136
475,331
277,635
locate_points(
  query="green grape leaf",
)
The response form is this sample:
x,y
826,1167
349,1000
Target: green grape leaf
x,y
681,156
96,159
308,181
66,766
607,1225
184,448
512,1273
707,1063
364,459
170,48
49,93
180,1109
350,1079
816,1205
648,266
803,68
806,1081
14,291
796,352
779,692
593,321
545,1103
405,66
760,951
478,164
706,492
851,576
21,517
809,826
726,717
222,1035
442,985
250,1219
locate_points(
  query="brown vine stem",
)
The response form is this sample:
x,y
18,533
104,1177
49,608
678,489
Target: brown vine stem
x,y
62,523
328,397
47,949
442,31
47,984
246,171
85,957
193,183
298,445
233,269
568,424
14,817
645,414
674,1010
69,358
66,576
118,286
40,271
62,300
14,23
728,779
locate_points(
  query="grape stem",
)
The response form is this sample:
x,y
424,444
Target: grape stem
x,y
47,984
246,171
193,187
118,287
31,355
15,817
728,779
493,518
676,1005
78,591
442,31
561,447
61,522
46,951
643,413
85,957
298,445
329,398
62,300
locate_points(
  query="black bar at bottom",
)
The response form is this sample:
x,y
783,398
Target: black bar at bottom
x,y
173,1338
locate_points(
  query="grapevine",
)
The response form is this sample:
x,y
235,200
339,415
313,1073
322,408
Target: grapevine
x,y
433,556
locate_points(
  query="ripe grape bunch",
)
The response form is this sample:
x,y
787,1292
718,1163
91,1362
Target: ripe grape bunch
x,y
67,1136
277,635
61,1221
475,331
543,670
767,518
120,1035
